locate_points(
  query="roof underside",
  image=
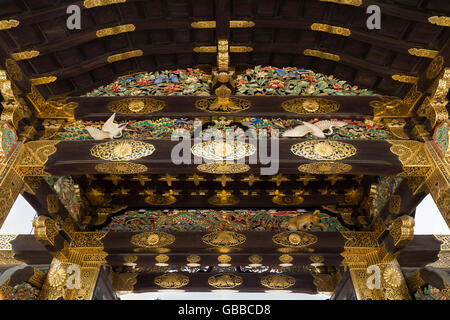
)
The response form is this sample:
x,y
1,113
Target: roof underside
x,y
282,31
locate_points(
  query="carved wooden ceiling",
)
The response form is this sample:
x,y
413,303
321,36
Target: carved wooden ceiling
x,y
280,35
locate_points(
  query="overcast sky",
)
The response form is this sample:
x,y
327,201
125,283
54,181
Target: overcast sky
x,y
428,221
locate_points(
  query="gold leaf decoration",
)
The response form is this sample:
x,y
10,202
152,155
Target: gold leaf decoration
x,y
121,168
24,55
13,69
325,167
393,277
241,24
323,150
240,49
122,150
152,239
278,281
440,21
115,30
331,29
43,80
310,106
223,198
224,239
8,24
287,200
125,56
136,106
203,24
172,280
223,150
158,200
223,168
405,78
294,239
225,281
99,3
355,3
435,67
321,55
52,203
424,53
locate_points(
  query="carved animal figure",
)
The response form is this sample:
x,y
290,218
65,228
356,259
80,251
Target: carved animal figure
x,y
110,130
317,129
304,222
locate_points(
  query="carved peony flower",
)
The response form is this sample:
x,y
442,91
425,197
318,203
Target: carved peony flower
x,y
122,150
324,149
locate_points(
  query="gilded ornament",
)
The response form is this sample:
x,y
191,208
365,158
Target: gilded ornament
x,y
225,281
57,275
125,56
136,105
203,24
52,203
286,259
255,260
120,168
43,80
130,259
294,239
115,30
316,260
405,78
440,21
435,67
8,24
172,280
331,29
124,150
412,155
395,204
157,199
193,258
223,198
223,103
205,49
392,275
99,3
310,105
241,24
223,150
223,168
425,53
240,49
25,55
278,281
224,259
402,230
13,69
152,239
34,157
325,168
224,239
321,55
162,258
323,150
287,200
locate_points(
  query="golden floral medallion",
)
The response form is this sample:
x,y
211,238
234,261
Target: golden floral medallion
x,y
121,168
323,150
224,239
325,168
223,168
123,150
278,281
172,280
136,106
152,239
310,106
223,150
225,281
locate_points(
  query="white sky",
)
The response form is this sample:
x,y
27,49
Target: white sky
x,y
428,221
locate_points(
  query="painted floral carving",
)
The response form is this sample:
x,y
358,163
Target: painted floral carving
x,y
190,82
23,291
223,220
292,81
64,188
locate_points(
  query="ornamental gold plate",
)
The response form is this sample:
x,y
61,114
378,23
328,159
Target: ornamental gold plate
x,y
223,168
278,281
325,167
224,239
172,280
120,168
294,239
136,106
152,239
225,281
323,150
223,150
123,150
310,106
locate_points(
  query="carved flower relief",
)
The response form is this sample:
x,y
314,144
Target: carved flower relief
x,y
323,150
122,150
278,281
172,280
57,275
225,281
392,276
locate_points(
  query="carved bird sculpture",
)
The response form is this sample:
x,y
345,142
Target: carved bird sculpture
x,y
317,129
110,130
